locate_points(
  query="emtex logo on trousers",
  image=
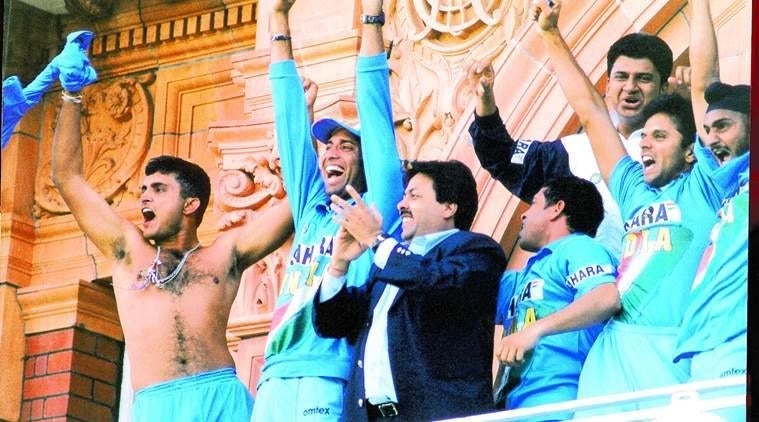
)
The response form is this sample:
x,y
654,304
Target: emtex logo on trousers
x,y
316,411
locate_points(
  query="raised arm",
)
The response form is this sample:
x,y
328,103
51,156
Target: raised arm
x,y
279,30
107,230
521,165
704,61
292,118
480,77
254,236
382,166
580,92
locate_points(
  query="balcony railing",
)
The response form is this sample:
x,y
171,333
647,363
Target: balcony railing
x,y
685,404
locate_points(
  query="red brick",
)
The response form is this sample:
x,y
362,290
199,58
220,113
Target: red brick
x,y
56,406
81,386
48,342
60,362
38,407
29,367
47,386
26,410
93,367
109,349
84,341
104,393
89,410
40,365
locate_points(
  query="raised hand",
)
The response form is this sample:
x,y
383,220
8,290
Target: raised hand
x,y
281,6
680,83
362,222
234,219
546,15
371,7
311,89
73,63
480,78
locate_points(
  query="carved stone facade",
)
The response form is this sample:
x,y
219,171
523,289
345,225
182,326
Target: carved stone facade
x,y
190,78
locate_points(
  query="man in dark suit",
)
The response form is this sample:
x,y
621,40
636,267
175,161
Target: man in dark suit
x,y
423,323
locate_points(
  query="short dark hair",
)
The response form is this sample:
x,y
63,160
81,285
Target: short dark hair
x,y
583,205
642,46
193,180
454,183
679,110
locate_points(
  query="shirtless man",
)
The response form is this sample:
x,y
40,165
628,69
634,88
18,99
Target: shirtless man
x,y
173,294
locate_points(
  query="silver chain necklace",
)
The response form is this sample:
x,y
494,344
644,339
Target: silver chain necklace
x,y
150,276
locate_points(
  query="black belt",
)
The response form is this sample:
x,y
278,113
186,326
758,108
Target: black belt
x,y
382,410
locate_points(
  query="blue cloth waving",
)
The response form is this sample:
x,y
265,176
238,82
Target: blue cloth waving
x,y
73,68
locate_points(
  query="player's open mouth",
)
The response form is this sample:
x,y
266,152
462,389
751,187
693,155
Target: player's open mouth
x,y
721,153
334,171
148,214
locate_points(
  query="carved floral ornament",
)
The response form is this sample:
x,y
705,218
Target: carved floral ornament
x,y
433,41
252,187
116,128
93,9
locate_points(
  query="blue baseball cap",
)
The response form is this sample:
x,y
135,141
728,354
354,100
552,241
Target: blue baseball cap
x,y
322,129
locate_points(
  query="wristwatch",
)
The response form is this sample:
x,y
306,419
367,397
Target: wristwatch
x,y
374,19
379,239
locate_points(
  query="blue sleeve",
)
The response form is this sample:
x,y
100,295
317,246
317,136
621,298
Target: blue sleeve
x,y
588,265
14,106
506,289
718,184
704,155
628,187
522,166
300,168
382,164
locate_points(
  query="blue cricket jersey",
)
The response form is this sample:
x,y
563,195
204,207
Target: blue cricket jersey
x,y
552,279
718,305
293,348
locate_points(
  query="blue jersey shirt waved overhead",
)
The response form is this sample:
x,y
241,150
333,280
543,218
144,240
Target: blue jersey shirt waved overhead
x,y
293,348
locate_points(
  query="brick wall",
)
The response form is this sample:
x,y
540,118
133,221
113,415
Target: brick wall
x,y
71,375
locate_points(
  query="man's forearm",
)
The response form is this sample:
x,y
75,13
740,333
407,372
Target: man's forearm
x,y
586,102
67,147
371,33
279,30
596,306
704,60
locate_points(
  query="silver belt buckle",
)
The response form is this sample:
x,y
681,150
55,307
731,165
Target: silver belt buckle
x,y
387,410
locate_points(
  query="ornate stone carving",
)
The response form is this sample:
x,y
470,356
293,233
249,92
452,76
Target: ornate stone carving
x,y
262,283
116,129
257,183
92,9
433,41
250,181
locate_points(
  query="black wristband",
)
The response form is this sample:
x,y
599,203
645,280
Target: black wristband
x,y
374,19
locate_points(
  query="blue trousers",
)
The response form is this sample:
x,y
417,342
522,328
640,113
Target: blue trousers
x,y
210,396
